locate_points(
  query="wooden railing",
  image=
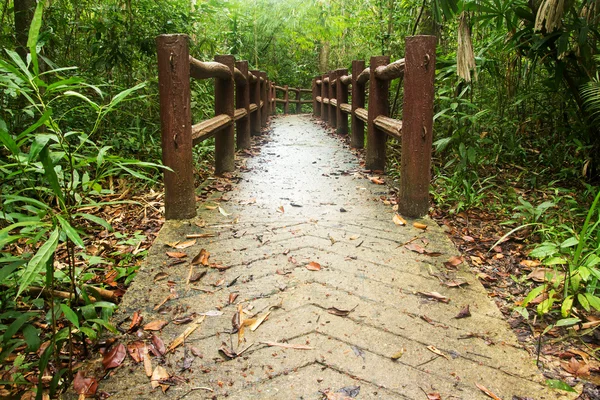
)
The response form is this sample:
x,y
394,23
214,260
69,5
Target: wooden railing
x,y
330,103
243,97
246,99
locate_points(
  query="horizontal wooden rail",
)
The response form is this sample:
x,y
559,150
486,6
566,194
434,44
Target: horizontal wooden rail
x,y
333,102
207,128
347,108
346,79
318,98
362,114
208,69
390,71
239,113
391,126
364,76
253,107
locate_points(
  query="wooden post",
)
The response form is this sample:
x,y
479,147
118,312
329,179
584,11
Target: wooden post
x,y
176,125
224,104
298,104
378,105
324,95
417,125
272,98
268,99
242,100
255,99
341,91
332,114
263,96
315,93
357,140
286,98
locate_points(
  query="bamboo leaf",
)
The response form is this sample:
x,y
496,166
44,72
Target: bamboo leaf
x,y
70,231
50,173
39,260
34,33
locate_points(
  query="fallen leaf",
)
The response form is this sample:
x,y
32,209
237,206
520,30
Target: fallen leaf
x,y
197,276
199,235
114,357
185,245
313,266
468,239
212,313
136,350
576,368
376,180
155,325
223,212
433,349
545,275
169,297
136,321
181,338
530,263
218,283
398,220
211,207
147,362
419,225
464,312
85,386
259,321
201,258
176,254
487,391
159,374
220,267
280,209
186,319
455,283
232,297
398,354
159,344
434,396
435,296
160,276
453,262
339,312
415,247
288,345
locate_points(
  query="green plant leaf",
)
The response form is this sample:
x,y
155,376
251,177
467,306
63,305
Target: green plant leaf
x,y
14,327
7,140
72,93
558,384
593,300
70,315
50,173
70,231
119,97
565,309
32,337
39,261
570,242
34,32
532,295
97,220
9,269
567,322
584,302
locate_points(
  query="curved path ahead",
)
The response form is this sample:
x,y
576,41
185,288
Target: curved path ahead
x,y
365,319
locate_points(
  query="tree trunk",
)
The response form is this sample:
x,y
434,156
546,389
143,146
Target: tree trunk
x,y
23,10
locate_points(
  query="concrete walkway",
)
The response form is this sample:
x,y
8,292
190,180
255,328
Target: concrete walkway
x,y
365,319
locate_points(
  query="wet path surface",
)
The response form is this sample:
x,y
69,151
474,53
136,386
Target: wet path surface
x,y
307,240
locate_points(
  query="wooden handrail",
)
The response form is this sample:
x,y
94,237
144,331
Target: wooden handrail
x,y
362,114
391,71
239,113
364,76
391,126
333,102
318,99
208,69
239,77
346,79
345,107
253,107
207,128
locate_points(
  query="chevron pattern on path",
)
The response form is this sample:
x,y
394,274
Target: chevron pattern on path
x,y
361,320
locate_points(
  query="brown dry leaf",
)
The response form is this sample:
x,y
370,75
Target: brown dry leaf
x,y
454,262
176,254
211,207
181,338
259,321
376,180
244,323
434,396
487,391
147,362
398,220
169,297
199,235
218,283
415,247
544,275
433,349
280,209
136,350
530,263
435,296
84,386
464,312
155,325
419,225
201,258
115,356
197,276
220,267
455,283
576,368
159,344
232,297
288,345
136,321
339,312
313,266
185,245
159,374
160,276
468,238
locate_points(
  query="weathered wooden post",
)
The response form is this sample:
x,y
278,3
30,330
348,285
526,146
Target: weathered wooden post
x,y
255,99
268,100
332,114
224,104
357,140
176,125
242,100
315,103
324,98
286,99
298,104
341,91
273,101
263,96
378,105
417,125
